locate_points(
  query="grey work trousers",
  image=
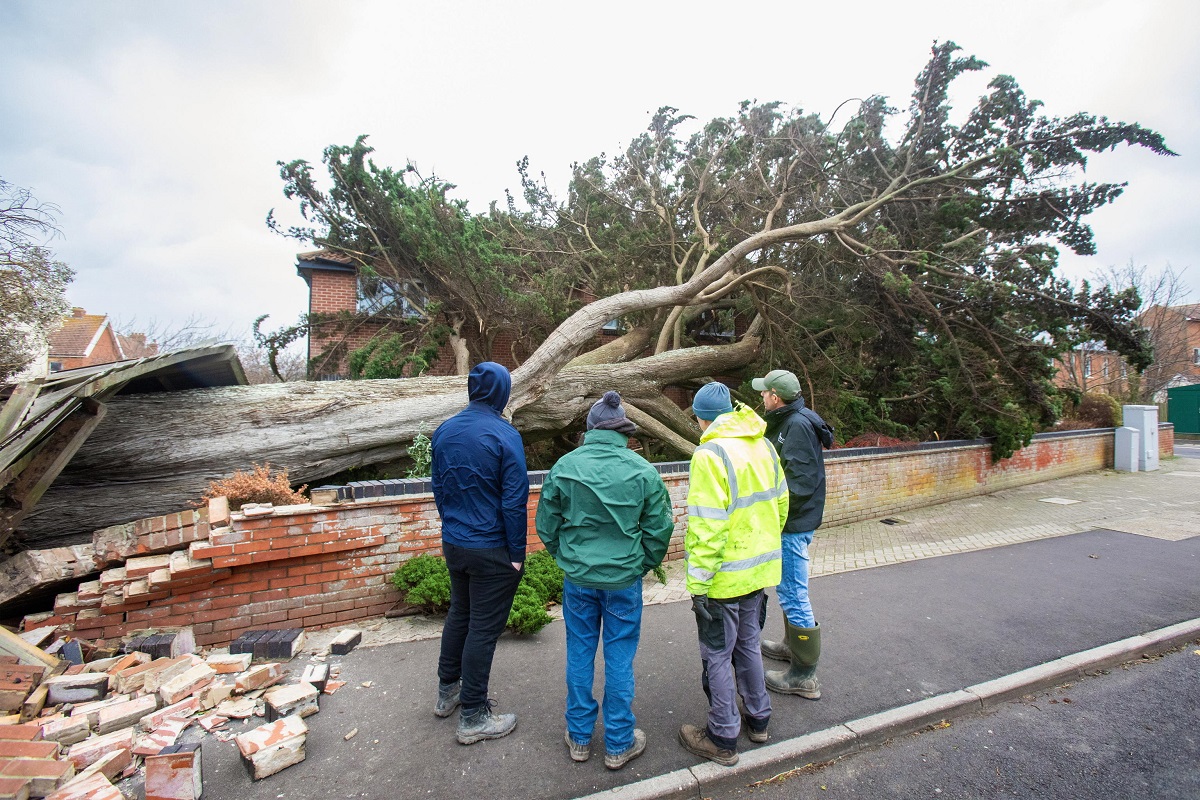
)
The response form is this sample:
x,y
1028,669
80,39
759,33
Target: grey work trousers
x,y
729,650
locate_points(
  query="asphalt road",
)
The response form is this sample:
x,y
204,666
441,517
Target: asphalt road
x,y
1127,733
1187,449
895,634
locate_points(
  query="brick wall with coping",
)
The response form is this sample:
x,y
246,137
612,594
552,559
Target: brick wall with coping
x,y
319,566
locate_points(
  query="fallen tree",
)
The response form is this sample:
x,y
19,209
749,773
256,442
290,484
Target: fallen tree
x,y
920,273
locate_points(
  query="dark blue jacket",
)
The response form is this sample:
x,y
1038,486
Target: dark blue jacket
x,y
798,434
480,483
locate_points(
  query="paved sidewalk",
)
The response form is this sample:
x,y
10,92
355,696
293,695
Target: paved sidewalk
x,y
1026,587
1164,504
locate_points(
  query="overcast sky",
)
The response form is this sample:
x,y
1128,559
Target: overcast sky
x,y
156,126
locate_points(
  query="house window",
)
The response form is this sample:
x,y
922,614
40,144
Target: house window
x,y
1104,368
1124,370
55,366
382,297
1196,356
1087,366
613,326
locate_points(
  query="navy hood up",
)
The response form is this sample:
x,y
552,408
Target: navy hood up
x,y
489,383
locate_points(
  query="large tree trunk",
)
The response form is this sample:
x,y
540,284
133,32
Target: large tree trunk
x,y
155,453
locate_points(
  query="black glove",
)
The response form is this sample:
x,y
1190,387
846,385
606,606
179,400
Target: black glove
x,y
710,621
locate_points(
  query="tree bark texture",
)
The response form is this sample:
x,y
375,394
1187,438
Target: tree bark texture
x,y
156,453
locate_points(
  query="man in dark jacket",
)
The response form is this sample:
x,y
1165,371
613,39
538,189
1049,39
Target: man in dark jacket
x,y
481,488
605,516
798,434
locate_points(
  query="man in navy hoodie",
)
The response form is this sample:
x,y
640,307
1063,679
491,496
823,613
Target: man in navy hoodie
x,y
481,488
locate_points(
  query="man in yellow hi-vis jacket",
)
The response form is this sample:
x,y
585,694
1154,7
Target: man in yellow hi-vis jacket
x,y
737,504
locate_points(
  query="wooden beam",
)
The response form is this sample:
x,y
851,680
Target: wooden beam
x,y
13,645
21,494
17,404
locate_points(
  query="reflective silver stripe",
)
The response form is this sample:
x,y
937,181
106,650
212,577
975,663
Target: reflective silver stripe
x,y
758,497
701,574
707,512
752,562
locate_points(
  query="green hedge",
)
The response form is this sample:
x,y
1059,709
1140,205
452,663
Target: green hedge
x,y
424,581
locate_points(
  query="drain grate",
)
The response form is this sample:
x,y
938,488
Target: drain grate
x,y
894,521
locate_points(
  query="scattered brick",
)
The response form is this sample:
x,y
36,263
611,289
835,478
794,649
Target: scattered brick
x,y
92,710
45,775
273,747
317,675
95,786
91,750
85,688
110,765
230,664
26,733
300,699
184,708
14,749
126,714
344,642
186,684
66,730
172,668
14,788
174,774
259,677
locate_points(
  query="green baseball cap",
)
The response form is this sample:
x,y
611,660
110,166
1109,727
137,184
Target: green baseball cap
x,y
781,382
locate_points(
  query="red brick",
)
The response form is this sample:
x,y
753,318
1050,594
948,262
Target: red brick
x,y
12,748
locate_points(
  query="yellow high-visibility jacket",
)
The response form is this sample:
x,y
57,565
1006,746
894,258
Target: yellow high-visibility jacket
x,y
737,505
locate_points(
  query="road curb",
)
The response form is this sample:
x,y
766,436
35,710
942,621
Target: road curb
x,y
766,762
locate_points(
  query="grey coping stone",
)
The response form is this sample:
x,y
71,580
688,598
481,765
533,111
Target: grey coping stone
x,y
905,719
766,762
1107,655
1173,635
1008,687
675,785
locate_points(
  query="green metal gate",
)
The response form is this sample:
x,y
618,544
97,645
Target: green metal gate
x,y
1183,408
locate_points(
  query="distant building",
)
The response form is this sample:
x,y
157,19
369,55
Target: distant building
x,y
84,340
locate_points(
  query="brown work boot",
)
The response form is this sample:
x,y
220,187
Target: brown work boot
x,y
695,740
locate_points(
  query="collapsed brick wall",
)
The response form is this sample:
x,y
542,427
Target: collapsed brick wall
x,y
318,566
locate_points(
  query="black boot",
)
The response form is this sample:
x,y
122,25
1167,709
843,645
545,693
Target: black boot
x,y
804,651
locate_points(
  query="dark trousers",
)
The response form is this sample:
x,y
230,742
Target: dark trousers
x,y
482,585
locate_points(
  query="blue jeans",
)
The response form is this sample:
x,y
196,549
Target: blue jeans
x,y
617,613
793,588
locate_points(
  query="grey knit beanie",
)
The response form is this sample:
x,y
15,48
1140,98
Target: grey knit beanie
x,y
609,415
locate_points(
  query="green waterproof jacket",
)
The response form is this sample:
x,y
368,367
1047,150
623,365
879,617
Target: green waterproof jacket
x,y
737,505
604,513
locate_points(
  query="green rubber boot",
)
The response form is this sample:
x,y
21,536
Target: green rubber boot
x,y
800,678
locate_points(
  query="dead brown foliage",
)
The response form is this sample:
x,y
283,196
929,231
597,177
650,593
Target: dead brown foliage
x,y
256,486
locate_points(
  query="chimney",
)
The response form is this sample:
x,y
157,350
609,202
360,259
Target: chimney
x,y
78,312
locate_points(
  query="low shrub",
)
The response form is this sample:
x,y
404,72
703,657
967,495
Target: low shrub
x,y
256,486
424,581
1101,410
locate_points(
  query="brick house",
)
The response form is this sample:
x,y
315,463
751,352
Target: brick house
x,y
84,340
1176,333
335,286
1091,368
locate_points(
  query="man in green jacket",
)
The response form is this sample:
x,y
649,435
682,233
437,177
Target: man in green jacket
x,y
737,504
605,516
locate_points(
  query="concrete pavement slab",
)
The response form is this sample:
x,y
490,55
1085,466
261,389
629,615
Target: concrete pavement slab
x,y
894,635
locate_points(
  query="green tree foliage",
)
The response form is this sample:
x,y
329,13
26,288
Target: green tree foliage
x,y
457,277
902,263
32,282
